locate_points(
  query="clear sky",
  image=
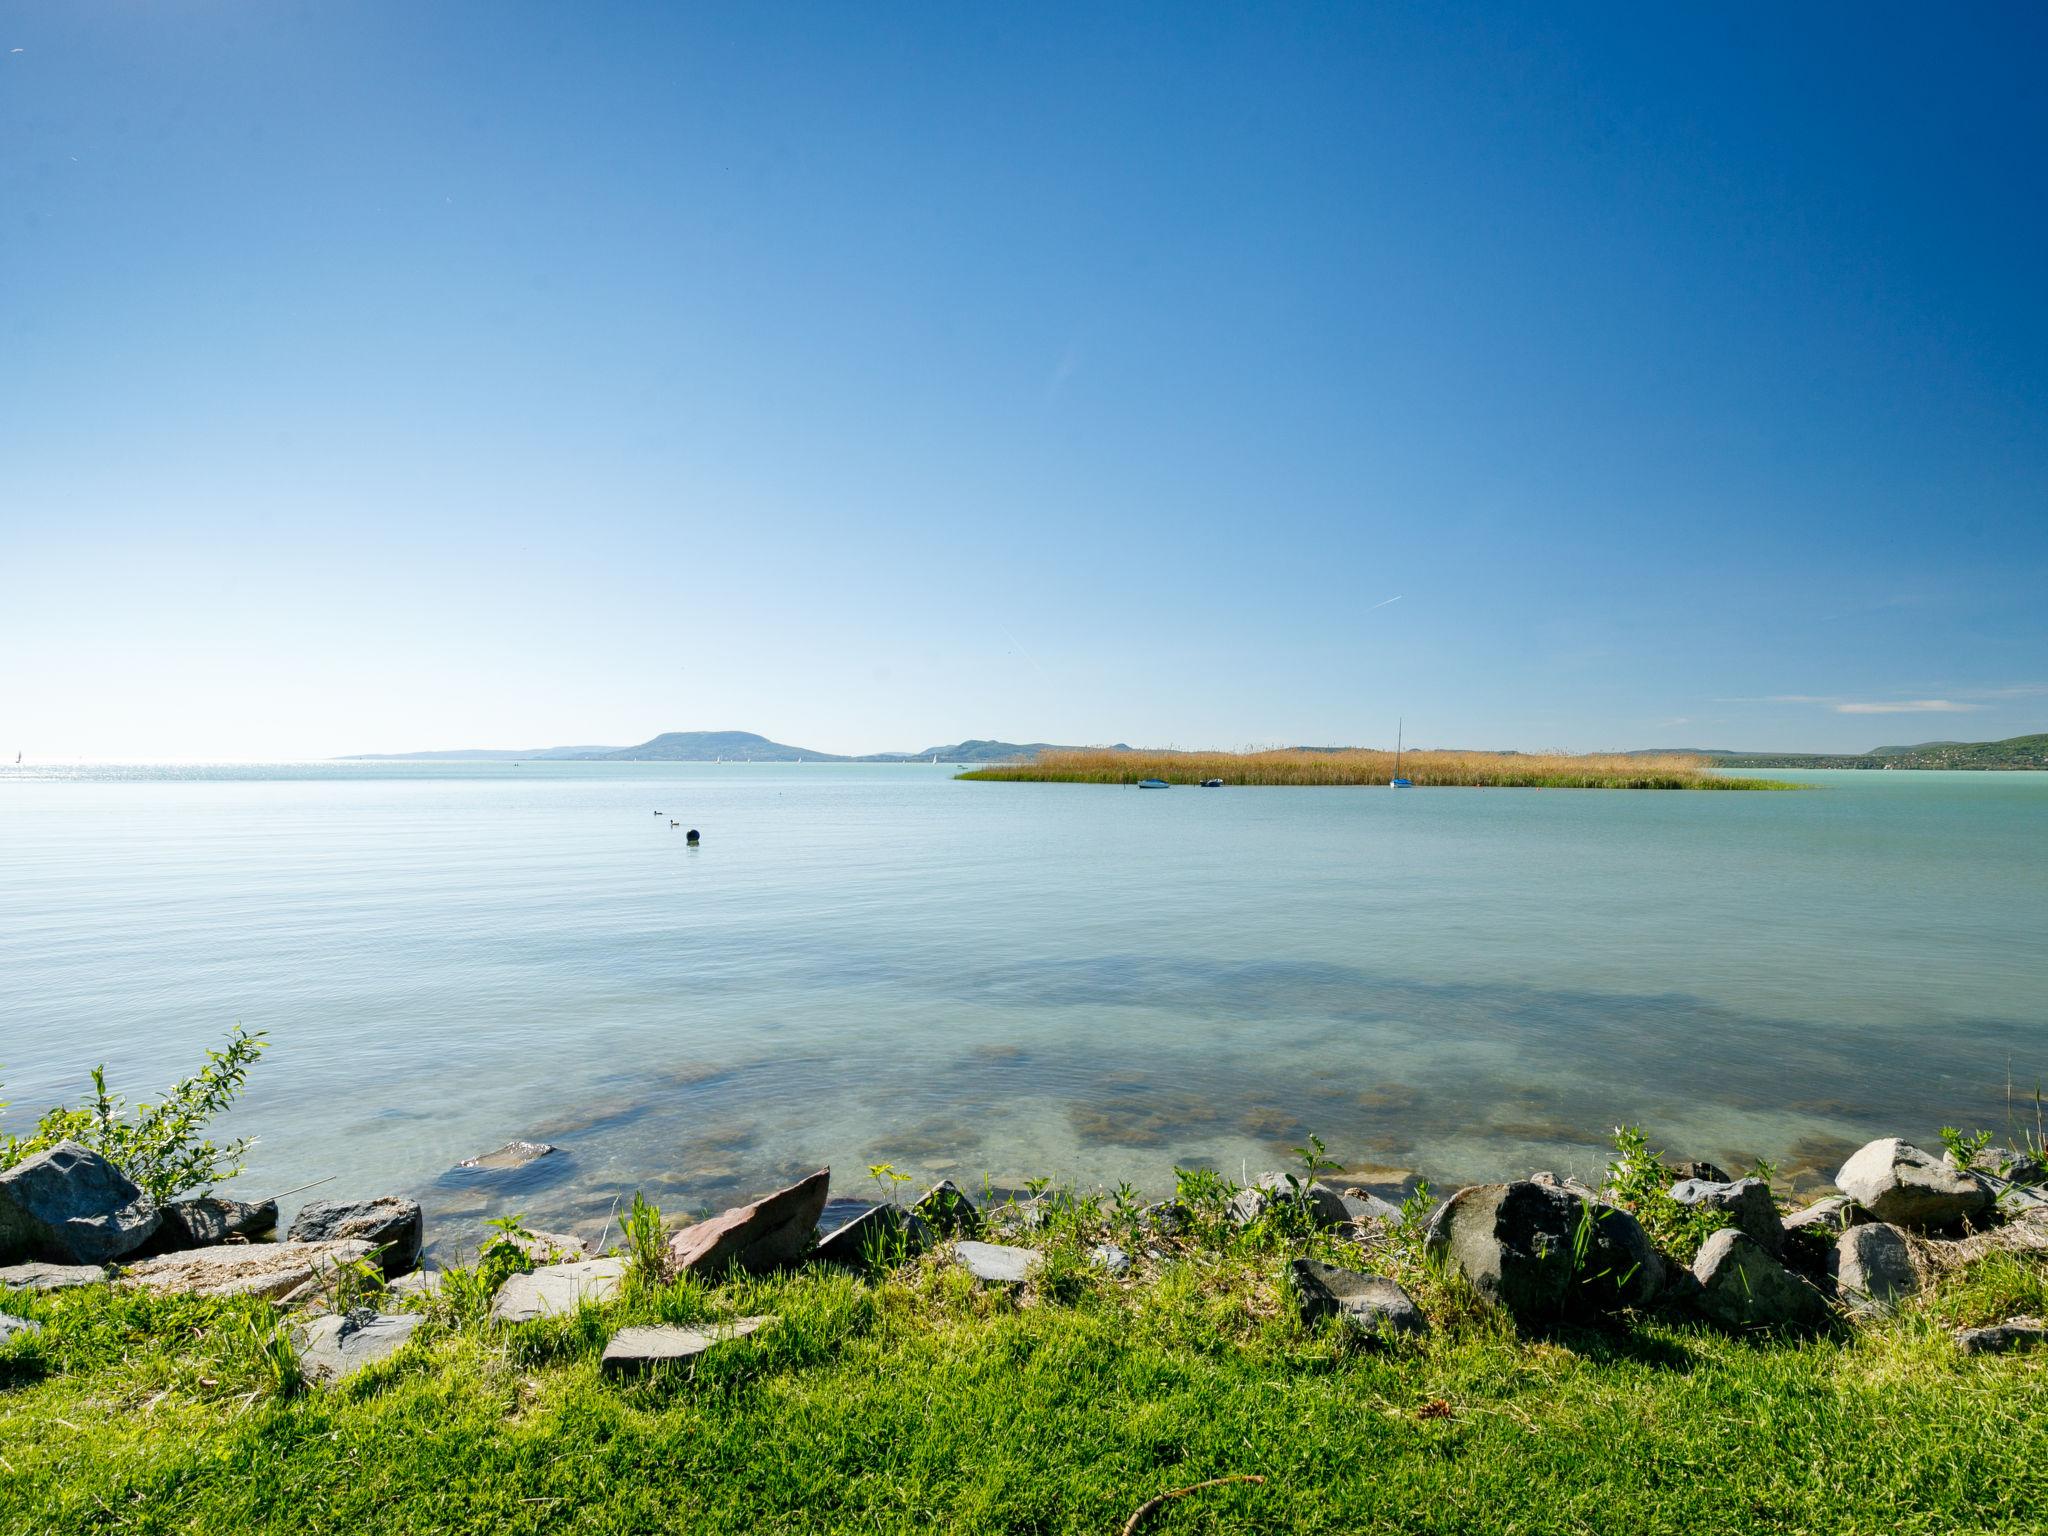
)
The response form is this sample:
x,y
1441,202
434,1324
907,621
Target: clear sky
x,y
378,376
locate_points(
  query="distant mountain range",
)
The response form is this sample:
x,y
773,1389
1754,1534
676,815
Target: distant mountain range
x,y
746,747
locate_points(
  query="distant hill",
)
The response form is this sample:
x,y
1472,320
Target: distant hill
x,y
709,746
2015,752
732,747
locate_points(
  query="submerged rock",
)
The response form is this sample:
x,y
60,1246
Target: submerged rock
x,y
1899,1183
334,1347
1540,1251
995,1264
1748,1201
1371,1303
69,1205
633,1350
556,1289
1742,1286
777,1229
510,1157
245,1269
1873,1267
388,1222
51,1277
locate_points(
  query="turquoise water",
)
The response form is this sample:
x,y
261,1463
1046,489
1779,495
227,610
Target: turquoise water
x,y
875,962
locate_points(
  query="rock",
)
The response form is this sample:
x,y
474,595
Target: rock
x,y
388,1222
556,1289
2025,1233
878,1233
1371,1303
1898,1183
1110,1259
633,1350
1362,1209
69,1205
1515,1244
1696,1169
552,1247
1747,1200
421,1284
508,1158
1826,1216
1873,1267
245,1269
1742,1286
208,1221
2014,1333
2004,1163
774,1230
331,1348
1566,1183
995,1264
1168,1218
12,1328
51,1277
947,1210
1325,1205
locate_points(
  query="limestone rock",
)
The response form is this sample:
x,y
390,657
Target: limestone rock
x,y
1748,1201
1873,1267
1516,1244
946,1209
51,1277
1371,1303
878,1232
552,1247
1325,1205
1110,1259
1899,1183
331,1348
69,1205
774,1230
1826,1216
12,1328
633,1350
1363,1209
245,1269
556,1289
421,1284
388,1222
2014,1333
995,1264
210,1220
1742,1286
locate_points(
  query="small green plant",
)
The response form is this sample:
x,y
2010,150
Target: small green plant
x,y
159,1146
1038,1186
1202,1189
357,1283
886,1179
646,1244
1639,1181
504,1253
275,1357
1314,1164
1964,1150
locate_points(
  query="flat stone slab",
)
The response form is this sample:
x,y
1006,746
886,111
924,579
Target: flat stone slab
x,y
777,1229
51,1277
2002,1338
642,1349
1371,1303
996,1264
331,1348
12,1328
514,1154
557,1289
245,1269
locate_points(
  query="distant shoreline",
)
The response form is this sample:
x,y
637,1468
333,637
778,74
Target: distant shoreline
x,y
1362,767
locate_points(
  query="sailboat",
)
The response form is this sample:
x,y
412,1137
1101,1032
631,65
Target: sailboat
x,y
1397,782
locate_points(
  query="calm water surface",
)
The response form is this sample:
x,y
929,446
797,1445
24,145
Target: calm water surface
x,y
876,962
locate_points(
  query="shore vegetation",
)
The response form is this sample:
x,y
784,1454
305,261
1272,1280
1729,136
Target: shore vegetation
x,y
1361,766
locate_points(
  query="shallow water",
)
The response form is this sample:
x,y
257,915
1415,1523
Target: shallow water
x,y
875,962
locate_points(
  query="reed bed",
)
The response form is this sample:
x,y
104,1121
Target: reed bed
x,y
1513,770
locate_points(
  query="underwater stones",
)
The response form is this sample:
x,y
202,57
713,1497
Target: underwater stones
x,y
388,1222
210,1220
509,1158
1741,1286
556,1289
334,1347
1538,1251
1873,1267
1748,1201
774,1230
1325,1206
634,1350
996,1264
2015,1333
1899,1183
245,1269
51,1277
1370,1303
69,1205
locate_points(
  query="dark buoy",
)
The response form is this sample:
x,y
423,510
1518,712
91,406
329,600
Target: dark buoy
x,y
691,837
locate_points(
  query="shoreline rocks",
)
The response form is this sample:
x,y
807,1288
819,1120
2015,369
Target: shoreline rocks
x,y
1540,1251
1873,1268
245,1269
335,1347
1373,1304
51,1277
1742,1286
1902,1185
635,1350
392,1225
556,1289
763,1234
69,1205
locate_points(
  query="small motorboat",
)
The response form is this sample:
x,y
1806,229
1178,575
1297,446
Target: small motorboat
x,y
1400,783
1212,783
1153,784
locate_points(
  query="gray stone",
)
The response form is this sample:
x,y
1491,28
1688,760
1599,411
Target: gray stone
x,y
12,1328
557,1289
633,1350
2006,1164
1899,1183
51,1277
775,1230
998,1265
946,1209
508,1158
245,1269
420,1285
392,1224
1873,1267
1694,1168
551,1247
69,1205
2014,1333
1363,1209
1517,1244
1325,1205
210,1220
1371,1303
331,1348
1826,1216
878,1233
1742,1286
1748,1201
1110,1259
1169,1218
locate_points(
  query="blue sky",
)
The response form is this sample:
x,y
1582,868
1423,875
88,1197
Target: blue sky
x,y
379,376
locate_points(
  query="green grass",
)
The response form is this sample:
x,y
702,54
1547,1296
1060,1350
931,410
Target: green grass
x,y
1427,770
918,1402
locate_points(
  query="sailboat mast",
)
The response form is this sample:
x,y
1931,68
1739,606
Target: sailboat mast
x,y
1399,725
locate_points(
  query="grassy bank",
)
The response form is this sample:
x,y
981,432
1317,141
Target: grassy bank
x,y
1499,769
917,1401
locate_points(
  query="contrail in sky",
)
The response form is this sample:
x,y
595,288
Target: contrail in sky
x,y
1382,605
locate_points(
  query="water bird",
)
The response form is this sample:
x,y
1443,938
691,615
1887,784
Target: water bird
x,y
691,837
673,825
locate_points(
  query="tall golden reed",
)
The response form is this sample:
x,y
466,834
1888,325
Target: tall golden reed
x,y
1363,766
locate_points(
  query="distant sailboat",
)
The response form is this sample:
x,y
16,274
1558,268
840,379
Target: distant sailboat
x,y
1397,782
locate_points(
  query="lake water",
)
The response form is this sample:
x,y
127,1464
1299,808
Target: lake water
x,y
865,963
